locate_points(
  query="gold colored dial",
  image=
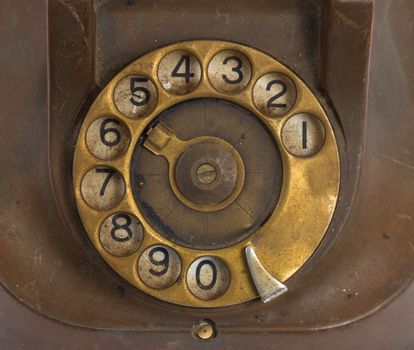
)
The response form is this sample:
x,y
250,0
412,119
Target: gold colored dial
x,y
206,173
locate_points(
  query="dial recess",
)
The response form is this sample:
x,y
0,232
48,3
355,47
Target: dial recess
x,y
191,169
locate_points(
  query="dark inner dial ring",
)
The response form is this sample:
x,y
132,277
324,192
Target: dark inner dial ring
x,y
224,177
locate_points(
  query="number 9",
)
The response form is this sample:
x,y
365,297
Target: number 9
x,y
159,267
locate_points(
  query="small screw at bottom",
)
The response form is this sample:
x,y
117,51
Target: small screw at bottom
x,y
204,330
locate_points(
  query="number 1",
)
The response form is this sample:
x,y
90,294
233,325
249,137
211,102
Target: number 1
x,y
304,135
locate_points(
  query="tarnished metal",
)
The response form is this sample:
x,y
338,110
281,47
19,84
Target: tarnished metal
x,y
121,234
178,222
107,138
293,240
159,267
135,96
102,188
206,173
204,330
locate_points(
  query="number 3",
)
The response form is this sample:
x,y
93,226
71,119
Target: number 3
x,y
236,69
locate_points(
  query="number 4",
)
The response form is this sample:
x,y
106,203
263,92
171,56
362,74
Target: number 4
x,y
187,74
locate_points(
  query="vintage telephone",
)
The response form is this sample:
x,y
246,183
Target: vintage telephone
x,y
212,171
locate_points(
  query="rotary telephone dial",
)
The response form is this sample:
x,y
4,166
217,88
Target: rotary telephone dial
x,y
190,166
215,169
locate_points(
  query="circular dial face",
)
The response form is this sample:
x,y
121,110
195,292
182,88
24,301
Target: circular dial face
x,y
218,193
206,173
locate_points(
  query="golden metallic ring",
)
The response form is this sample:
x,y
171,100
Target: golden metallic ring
x,y
123,118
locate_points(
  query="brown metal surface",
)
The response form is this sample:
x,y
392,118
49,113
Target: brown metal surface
x,y
369,263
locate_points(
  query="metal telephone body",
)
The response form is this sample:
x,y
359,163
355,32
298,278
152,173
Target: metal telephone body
x,y
238,183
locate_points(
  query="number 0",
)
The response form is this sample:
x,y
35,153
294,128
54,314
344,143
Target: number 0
x,y
213,277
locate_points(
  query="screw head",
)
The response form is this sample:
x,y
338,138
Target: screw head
x,y
206,173
204,330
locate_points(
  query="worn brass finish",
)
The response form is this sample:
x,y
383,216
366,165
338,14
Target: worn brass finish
x,y
294,230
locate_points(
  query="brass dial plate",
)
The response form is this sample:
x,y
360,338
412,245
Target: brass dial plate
x,y
310,182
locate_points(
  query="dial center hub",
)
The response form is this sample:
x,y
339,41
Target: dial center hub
x,y
209,172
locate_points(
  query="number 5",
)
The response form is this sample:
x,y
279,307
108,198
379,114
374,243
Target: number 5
x,y
142,100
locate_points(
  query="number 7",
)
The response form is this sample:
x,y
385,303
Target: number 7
x,y
110,173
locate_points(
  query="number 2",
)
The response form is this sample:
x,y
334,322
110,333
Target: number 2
x,y
270,102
